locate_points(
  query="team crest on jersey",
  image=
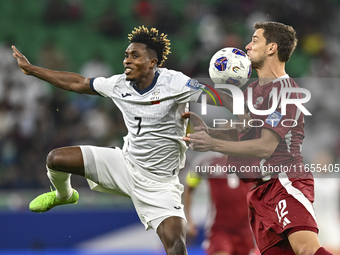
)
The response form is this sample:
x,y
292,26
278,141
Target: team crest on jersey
x,y
193,84
258,102
274,119
155,95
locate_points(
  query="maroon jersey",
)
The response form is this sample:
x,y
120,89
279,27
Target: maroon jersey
x,y
228,201
227,226
290,127
227,196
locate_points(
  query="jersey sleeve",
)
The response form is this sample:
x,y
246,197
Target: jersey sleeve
x,y
104,86
186,89
280,123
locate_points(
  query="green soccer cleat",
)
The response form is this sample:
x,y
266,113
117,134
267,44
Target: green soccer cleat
x,y
49,200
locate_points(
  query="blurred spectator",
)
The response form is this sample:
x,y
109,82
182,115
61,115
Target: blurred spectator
x,y
74,10
210,33
6,54
57,11
109,24
52,57
194,10
96,67
227,195
168,21
145,13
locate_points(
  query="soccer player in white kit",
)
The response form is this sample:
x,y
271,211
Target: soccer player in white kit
x,y
151,100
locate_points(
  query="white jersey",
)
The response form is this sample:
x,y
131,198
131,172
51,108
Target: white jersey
x,y
153,117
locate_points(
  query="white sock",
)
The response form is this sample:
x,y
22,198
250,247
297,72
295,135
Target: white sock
x,y
62,183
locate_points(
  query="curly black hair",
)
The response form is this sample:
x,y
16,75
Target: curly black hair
x,y
159,43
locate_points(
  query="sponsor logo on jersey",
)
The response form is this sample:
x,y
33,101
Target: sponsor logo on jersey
x,y
274,119
126,94
285,222
177,207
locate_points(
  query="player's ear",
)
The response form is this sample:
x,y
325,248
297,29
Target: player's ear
x,y
153,62
272,48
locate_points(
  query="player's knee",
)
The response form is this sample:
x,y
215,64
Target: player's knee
x,y
304,250
53,159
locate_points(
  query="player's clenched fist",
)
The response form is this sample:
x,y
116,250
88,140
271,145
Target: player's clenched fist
x,y
23,63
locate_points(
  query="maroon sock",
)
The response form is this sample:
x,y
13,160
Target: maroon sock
x,y
322,251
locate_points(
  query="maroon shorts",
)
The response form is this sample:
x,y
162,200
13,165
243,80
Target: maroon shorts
x,y
279,205
236,243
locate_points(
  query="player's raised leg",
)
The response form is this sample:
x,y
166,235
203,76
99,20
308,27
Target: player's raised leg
x,y
61,163
172,233
305,243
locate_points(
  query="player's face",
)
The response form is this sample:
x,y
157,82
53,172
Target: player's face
x,y
256,49
137,63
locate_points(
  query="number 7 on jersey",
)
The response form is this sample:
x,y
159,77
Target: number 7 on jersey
x,y
139,124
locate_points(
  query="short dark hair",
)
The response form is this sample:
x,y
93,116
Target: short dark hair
x,y
283,35
158,43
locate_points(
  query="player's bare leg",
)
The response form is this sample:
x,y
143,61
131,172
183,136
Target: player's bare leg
x,y
66,159
61,163
306,243
172,233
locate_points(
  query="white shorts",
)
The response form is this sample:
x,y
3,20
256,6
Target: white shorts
x,y
154,198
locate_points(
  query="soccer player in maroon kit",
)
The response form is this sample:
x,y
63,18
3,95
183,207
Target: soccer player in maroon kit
x,y
281,211
227,201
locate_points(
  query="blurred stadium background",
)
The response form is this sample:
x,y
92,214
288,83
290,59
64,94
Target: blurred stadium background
x,y
89,37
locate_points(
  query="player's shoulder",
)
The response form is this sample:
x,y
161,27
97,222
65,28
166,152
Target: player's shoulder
x,y
175,80
118,78
113,80
253,84
171,75
284,82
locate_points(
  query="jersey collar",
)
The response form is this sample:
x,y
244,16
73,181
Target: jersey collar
x,y
148,88
285,76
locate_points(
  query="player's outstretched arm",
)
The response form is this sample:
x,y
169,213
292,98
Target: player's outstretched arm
x,y
64,80
262,147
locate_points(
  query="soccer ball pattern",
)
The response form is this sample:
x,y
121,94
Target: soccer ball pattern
x,y
230,66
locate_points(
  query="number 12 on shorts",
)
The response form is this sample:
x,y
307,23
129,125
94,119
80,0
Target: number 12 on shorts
x,y
281,212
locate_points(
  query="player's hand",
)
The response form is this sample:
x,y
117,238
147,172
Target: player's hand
x,y
243,128
196,121
23,63
200,141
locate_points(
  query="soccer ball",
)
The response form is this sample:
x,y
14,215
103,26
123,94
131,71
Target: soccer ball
x,y
230,66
